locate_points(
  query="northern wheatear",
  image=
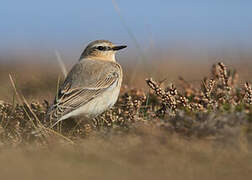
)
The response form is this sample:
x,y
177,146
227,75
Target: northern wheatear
x,y
92,85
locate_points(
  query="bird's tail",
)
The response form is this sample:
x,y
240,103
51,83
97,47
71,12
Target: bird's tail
x,y
50,120
53,115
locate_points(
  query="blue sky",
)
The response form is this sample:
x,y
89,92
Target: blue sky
x,y
68,25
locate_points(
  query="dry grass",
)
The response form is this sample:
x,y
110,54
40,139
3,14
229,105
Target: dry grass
x,y
190,131
148,154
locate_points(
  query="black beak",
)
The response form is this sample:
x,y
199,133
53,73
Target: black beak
x,y
116,48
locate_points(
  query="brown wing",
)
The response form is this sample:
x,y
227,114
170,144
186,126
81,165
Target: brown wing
x,y
82,85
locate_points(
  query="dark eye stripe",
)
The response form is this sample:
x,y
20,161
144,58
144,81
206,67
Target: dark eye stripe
x,y
104,48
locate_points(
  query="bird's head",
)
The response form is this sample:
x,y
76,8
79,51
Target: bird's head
x,y
101,50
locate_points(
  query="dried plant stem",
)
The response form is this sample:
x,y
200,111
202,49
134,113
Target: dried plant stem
x,y
34,115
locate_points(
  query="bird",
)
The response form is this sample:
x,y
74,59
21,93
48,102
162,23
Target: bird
x,y
92,85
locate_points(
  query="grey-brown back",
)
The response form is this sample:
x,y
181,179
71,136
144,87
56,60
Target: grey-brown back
x,y
89,78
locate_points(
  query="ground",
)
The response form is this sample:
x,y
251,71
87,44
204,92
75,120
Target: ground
x,y
159,129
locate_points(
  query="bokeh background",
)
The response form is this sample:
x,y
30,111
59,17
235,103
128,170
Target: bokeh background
x,y
165,38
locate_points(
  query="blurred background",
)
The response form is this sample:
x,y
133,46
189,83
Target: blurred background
x,y
165,38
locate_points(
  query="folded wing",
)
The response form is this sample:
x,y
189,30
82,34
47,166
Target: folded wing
x,y
84,82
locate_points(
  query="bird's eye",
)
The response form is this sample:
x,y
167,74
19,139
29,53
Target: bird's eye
x,y
101,48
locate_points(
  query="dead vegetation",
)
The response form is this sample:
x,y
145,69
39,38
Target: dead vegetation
x,y
210,111
182,131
